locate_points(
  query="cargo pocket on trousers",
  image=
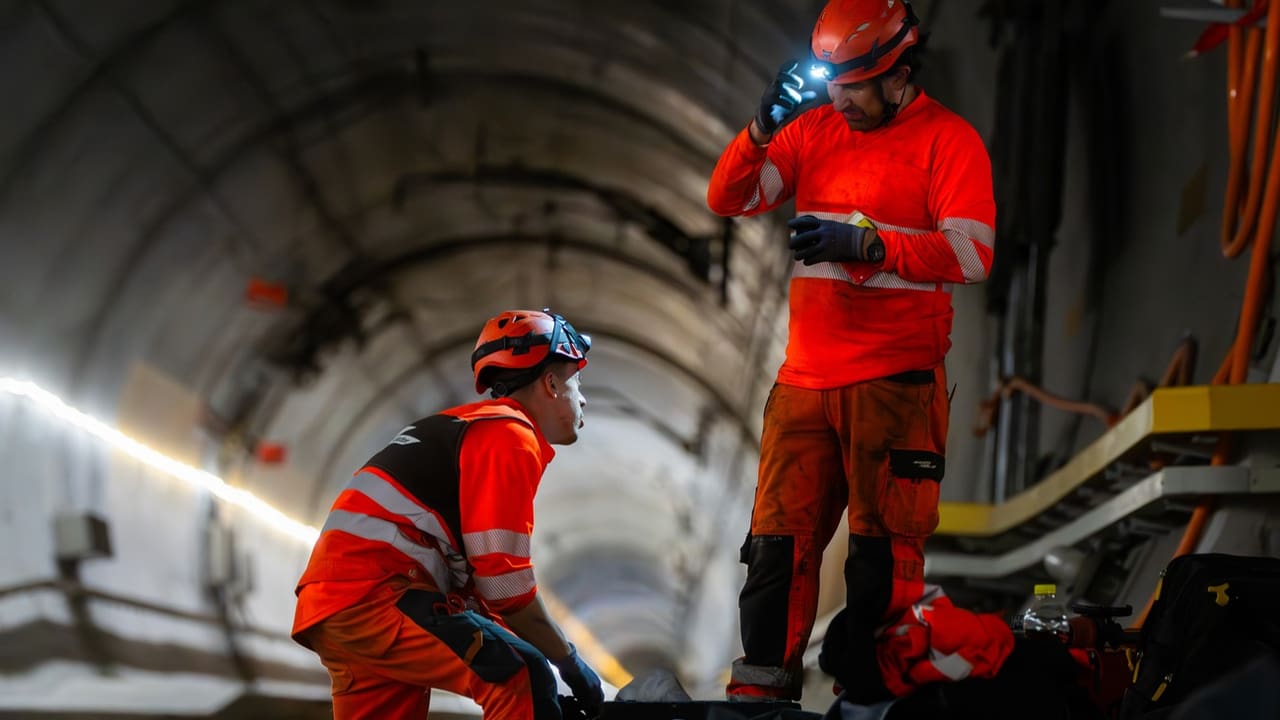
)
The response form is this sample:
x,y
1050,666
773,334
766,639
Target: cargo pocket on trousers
x,y
476,642
909,497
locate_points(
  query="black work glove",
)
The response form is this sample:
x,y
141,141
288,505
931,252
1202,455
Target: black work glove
x,y
818,241
583,681
782,98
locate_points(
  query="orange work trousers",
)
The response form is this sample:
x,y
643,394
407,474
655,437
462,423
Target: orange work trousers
x,y
385,654
874,449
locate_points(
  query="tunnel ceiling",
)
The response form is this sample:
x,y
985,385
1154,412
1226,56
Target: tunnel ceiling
x,y
405,170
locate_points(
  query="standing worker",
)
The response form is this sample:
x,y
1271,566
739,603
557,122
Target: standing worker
x,y
421,577
894,204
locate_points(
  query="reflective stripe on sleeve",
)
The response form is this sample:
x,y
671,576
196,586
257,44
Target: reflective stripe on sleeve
x,y
961,234
768,186
507,542
506,585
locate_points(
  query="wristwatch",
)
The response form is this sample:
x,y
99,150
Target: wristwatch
x,y
875,251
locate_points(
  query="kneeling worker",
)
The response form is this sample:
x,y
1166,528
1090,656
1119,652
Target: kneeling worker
x,y
421,577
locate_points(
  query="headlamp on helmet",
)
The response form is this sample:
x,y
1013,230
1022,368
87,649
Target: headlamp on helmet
x,y
821,71
856,40
524,340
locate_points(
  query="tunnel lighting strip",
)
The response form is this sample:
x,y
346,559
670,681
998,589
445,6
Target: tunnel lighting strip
x,y
243,499
56,407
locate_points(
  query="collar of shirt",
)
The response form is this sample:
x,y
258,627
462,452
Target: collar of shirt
x,y
544,447
914,106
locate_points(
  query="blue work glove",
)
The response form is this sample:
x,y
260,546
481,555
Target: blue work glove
x,y
583,681
818,241
782,98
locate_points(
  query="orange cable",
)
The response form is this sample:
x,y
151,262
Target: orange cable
x,y
1261,129
1259,261
989,408
1224,370
1237,359
1234,62
1238,126
1057,401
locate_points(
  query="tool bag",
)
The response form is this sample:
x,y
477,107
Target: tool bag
x,y
1212,614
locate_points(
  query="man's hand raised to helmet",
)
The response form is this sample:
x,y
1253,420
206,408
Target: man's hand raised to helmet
x,y
818,241
779,102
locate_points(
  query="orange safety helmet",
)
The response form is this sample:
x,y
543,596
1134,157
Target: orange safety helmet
x,y
854,40
525,339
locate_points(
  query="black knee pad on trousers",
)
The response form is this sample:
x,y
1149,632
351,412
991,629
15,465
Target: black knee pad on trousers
x,y
848,649
868,580
762,604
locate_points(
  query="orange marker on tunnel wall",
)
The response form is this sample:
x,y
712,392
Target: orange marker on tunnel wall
x,y
270,453
266,294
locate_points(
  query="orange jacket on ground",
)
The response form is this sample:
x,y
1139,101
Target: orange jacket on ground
x,y
924,180
935,641
448,501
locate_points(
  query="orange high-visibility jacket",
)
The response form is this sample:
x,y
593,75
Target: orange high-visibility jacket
x,y
448,501
935,641
924,180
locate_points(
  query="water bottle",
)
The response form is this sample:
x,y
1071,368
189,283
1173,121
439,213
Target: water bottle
x,y
1047,616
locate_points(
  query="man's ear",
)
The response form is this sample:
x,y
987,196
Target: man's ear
x,y
899,78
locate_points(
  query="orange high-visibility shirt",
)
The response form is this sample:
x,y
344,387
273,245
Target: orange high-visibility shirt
x,y
449,501
924,180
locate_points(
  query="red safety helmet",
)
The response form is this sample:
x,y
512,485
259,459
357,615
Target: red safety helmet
x,y
854,40
526,339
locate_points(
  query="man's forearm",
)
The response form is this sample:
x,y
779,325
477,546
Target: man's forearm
x,y
534,624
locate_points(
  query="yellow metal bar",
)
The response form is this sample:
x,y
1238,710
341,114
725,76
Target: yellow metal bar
x,y
1195,409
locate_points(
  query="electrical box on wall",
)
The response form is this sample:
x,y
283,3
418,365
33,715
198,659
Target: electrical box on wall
x,y
81,536
219,555
226,566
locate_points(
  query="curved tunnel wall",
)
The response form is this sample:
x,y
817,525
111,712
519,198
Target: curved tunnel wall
x,y
404,170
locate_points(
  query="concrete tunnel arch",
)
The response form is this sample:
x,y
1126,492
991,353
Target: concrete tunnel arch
x,y
193,145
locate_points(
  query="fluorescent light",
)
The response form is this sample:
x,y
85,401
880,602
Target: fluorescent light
x,y
117,440
264,511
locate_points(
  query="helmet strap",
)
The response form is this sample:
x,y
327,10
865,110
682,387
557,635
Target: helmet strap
x,y
513,383
890,109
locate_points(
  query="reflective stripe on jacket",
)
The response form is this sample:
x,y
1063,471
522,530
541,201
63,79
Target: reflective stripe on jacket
x,y
924,180
448,501
935,641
